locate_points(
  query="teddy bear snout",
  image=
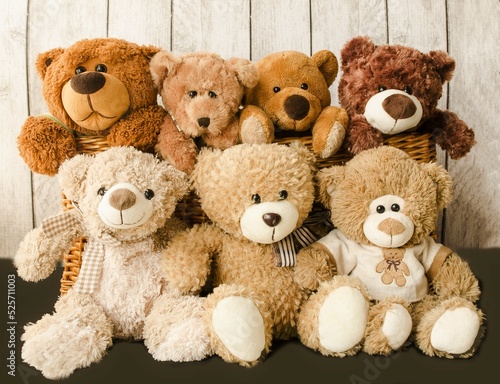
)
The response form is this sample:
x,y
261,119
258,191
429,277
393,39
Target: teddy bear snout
x,y
399,106
122,199
204,122
297,107
88,82
391,227
271,219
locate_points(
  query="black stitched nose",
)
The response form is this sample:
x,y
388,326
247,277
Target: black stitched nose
x,y
297,107
271,219
88,82
204,122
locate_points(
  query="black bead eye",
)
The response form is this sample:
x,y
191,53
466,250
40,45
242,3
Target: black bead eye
x,y
304,86
101,68
101,191
381,88
149,194
80,69
256,198
283,194
395,207
192,94
380,209
276,89
212,94
408,90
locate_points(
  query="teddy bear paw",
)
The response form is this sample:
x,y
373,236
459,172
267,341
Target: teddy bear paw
x,y
240,327
397,326
333,140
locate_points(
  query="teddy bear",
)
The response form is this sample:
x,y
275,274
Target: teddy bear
x,y
96,87
259,202
392,282
292,98
391,89
124,202
202,93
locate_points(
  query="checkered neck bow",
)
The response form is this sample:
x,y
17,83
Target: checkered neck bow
x,y
93,254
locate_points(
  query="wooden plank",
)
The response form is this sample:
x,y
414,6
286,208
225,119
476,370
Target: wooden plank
x,y
151,21
218,26
335,23
16,217
473,219
279,26
54,24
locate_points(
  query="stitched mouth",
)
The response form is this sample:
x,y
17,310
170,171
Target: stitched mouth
x,y
93,111
272,236
122,221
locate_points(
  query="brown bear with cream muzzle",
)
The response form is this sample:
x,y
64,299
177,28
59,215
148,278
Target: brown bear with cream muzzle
x,y
391,89
97,87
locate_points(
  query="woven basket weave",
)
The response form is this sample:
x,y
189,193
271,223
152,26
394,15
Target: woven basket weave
x,y
419,146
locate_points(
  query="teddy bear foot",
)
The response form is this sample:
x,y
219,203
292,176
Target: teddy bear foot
x,y
239,326
70,338
451,329
389,326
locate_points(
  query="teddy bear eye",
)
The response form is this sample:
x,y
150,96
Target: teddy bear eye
x,y
256,198
101,68
283,194
276,89
408,90
80,69
381,88
304,86
101,191
149,194
212,94
380,209
192,94
395,207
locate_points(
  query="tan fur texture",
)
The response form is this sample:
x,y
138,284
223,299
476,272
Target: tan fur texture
x,y
114,74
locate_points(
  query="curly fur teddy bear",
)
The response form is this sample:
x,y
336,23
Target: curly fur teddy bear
x,y
202,93
125,200
100,87
389,277
389,89
258,197
292,98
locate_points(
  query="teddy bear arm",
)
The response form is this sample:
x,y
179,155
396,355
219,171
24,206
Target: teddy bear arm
x,y
455,278
405,269
225,139
328,131
255,126
315,265
451,133
380,266
361,135
139,129
44,144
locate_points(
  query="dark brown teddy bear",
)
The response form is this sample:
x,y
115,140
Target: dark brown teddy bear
x,y
388,89
99,87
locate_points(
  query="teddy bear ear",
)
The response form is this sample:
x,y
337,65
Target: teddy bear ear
x,y
43,60
72,174
327,63
163,64
304,153
327,180
245,71
443,182
149,51
360,46
178,178
444,63
204,163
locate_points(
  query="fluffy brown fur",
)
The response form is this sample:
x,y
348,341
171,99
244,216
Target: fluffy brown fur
x,y
366,67
114,74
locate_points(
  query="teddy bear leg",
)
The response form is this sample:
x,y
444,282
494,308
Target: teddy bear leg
x,y
239,325
448,328
389,326
333,321
255,126
174,329
76,335
329,131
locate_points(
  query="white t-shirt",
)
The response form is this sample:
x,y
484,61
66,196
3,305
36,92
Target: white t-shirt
x,y
361,261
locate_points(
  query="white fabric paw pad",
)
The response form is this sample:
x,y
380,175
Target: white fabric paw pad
x,y
397,326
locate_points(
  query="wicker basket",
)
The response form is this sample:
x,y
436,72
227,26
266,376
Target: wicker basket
x,y
419,146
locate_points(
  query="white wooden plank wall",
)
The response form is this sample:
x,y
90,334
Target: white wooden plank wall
x,y
468,29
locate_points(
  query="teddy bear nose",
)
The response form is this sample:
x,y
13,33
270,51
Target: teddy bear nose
x,y
88,82
122,199
204,122
271,219
297,107
391,227
399,106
